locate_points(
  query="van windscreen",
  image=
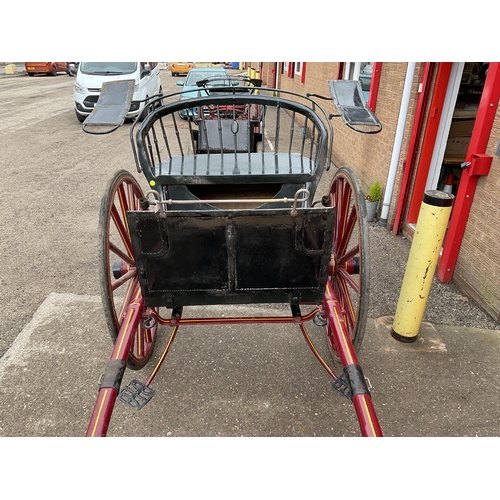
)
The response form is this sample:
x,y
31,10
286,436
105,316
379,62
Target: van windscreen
x,y
107,68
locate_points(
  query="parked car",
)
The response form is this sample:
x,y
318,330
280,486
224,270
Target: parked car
x,y
49,68
216,77
72,68
91,76
180,68
207,64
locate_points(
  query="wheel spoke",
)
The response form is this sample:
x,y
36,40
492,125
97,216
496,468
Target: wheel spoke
x,y
347,217
126,277
122,230
345,299
133,198
349,280
126,301
347,256
124,199
113,248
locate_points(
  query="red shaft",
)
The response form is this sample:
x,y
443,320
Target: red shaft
x,y
103,407
367,418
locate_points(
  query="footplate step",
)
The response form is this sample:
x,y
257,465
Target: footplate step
x,y
342,386
136,394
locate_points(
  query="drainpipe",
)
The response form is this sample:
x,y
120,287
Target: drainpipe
x,y
398,142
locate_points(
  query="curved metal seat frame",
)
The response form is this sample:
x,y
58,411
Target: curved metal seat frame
x,y
275,140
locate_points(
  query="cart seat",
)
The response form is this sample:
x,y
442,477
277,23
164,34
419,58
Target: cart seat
x,y
237,168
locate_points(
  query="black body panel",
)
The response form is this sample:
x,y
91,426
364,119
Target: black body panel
x,y
232,257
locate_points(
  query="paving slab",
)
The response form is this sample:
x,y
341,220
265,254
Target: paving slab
x,y
247,380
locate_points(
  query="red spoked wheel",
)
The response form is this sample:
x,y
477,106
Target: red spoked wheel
x,y
118,273
349,265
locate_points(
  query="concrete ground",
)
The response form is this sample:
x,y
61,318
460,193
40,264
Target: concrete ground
x,y
248,380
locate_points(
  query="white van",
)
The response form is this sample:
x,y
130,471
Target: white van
x,y
91,76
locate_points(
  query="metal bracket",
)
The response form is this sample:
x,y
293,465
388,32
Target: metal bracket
x,y
158,203
351,382
319,319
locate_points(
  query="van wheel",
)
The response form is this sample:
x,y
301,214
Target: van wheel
x,y
158,103
145,112
81,118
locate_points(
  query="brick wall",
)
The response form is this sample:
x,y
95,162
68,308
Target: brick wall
x,y
369,155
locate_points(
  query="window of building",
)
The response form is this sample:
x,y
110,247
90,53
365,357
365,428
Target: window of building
x,y
368,73
300,70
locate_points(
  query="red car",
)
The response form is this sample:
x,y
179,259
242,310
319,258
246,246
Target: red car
x,y
50,68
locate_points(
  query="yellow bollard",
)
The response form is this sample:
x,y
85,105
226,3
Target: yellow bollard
x,y
422,261
11,69
257,77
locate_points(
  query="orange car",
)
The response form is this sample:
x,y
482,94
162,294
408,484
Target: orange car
x,y
178,68
51,68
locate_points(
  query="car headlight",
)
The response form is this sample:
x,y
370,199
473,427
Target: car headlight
x,y
79,89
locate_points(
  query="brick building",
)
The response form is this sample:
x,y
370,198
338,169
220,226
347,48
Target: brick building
x,y
441,125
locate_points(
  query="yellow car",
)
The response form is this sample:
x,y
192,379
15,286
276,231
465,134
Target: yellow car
x,y
178,68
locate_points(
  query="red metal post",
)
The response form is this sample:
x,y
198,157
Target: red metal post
x,y
372,97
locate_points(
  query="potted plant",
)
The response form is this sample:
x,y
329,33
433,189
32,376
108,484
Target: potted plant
x,y
373,197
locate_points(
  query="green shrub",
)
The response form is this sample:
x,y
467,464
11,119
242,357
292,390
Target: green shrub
x,y
375,192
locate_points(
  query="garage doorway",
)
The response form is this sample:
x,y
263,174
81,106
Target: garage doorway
x,y
460,108
445,148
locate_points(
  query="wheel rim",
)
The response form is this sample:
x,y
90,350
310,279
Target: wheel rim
x,y
118,274
349,266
